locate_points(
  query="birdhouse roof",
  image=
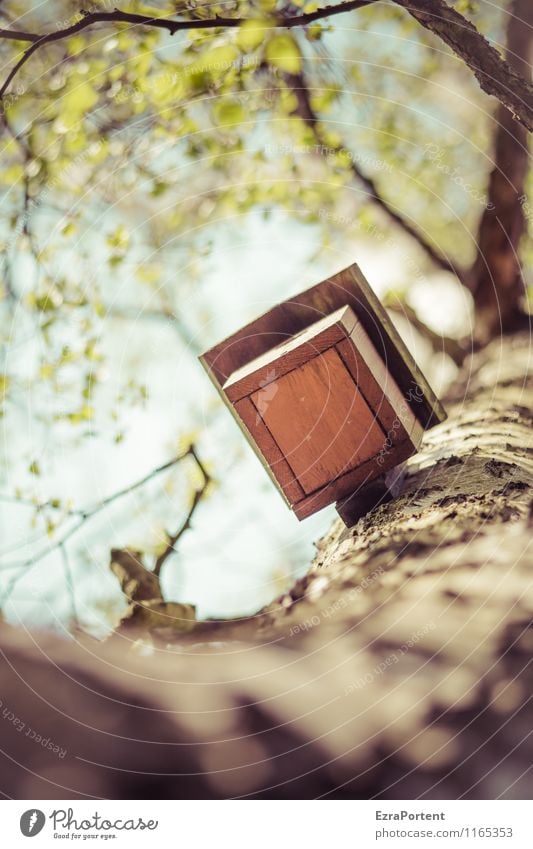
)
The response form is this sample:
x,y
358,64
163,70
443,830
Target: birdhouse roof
x,y
253,344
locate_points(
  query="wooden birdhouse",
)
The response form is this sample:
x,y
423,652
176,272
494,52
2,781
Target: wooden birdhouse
x,y
327,394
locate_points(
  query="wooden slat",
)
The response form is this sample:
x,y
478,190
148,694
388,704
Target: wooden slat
x,y
276,464
349,482
294,353
351,287
319,420
387,387
356,363
250,342
379,389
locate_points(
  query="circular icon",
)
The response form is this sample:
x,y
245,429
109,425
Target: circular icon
x,y
32,822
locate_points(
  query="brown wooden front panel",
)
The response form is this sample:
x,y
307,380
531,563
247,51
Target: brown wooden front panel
x,y
320,420
268,450
351,481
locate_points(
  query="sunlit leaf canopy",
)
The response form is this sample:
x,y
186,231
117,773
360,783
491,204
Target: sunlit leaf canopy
x,y
128,156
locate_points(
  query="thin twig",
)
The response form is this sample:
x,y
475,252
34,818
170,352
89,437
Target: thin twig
x,y
172,539
39,506
26,152
167,315
171,25
298,84
493,73
70,584
86,515
439,343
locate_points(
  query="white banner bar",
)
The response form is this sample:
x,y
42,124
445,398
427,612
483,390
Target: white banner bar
x,y
264,824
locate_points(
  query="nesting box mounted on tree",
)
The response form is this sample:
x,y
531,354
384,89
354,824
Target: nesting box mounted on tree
x,y
327,394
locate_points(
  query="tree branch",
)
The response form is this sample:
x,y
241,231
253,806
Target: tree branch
x,y
494,74
147,614
172,539
70,585
136,581
148,611
439,343
170,25
298,84
84,516
496,278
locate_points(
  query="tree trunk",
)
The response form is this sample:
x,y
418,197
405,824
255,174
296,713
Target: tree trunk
x,y
496,276
398,667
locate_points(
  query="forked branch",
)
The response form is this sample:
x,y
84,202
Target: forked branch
x,y
493,73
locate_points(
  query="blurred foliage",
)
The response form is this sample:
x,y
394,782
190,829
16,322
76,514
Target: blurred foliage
x,y
123,146
176,132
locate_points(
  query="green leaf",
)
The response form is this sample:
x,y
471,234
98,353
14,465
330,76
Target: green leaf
x,y
314,31
46,371
4,386
76,103
228,112
75,45
252,33
218,60
283,52
212,65
159,188
68,229
46,302
87,412
119,238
